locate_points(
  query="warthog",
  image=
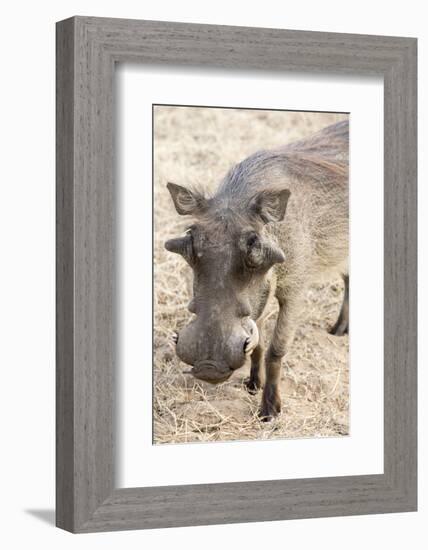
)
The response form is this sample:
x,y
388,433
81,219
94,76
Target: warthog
x,y
277,223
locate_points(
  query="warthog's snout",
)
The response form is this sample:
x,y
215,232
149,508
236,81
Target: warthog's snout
x,y
211,371
216,350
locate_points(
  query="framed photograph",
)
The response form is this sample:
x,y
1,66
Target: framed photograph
x,y
236,274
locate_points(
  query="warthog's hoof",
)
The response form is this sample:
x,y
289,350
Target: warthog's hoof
x,y
339,329
268,413
271,404
252,385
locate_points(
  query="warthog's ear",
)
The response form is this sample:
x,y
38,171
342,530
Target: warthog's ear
x,y
270,204
185,201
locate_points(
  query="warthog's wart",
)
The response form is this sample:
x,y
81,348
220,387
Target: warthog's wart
x,y
277,223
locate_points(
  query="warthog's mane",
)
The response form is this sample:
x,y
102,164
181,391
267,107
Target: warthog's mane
x,y
317,165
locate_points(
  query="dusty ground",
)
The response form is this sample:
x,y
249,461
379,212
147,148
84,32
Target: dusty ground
x,y
197,146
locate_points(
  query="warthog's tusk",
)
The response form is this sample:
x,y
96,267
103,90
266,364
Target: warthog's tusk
x,y
174,337
248,348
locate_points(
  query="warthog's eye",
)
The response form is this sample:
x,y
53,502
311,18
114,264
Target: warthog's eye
x,y
253,251
259,254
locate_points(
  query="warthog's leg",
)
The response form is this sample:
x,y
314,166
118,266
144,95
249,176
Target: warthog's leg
x,y
254,382
342,324
283,336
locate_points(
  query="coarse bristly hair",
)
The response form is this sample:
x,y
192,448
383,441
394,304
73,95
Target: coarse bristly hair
x,y
314,233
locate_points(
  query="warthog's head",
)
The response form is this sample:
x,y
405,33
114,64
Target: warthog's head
x,y
230,255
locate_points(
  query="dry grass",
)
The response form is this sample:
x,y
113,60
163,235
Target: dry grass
x,y
197,146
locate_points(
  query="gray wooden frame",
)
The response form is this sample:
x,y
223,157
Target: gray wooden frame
x,y
87,50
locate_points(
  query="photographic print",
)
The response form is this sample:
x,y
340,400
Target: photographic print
x,y
203,263
251,274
